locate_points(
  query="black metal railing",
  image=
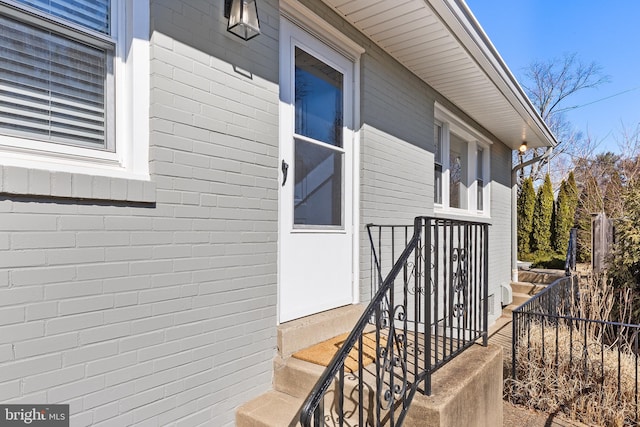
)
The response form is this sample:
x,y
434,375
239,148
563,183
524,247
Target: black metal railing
x,y
579,363
430,307
556,300
570,263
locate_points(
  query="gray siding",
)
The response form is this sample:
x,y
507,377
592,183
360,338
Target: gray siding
x,y
154,313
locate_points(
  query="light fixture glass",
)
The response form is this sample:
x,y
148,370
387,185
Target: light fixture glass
x,y
523,147
243,18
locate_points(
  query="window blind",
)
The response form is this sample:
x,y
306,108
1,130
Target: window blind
x,y
92,14
52,88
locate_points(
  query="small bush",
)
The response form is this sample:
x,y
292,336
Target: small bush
x,y
548,260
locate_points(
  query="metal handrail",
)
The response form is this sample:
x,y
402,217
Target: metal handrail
x,y
421,325
337,362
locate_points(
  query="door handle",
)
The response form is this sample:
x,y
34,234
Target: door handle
x,y
285,170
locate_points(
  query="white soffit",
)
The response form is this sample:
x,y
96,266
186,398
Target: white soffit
x,y
441,42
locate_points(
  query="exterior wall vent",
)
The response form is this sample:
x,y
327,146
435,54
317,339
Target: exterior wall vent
x,y
507,294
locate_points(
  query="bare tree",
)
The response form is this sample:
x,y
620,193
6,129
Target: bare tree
x,y
549,85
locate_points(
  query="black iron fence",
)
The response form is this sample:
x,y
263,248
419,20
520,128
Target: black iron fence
x,y
570,263
581,365
431,305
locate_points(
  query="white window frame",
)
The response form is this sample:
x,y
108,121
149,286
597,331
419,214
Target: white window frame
x,y
130,157
449,124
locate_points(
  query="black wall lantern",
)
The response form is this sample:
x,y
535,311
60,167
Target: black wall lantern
x,y
243,18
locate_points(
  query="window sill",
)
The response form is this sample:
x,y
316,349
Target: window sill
x,y
39,182
461,215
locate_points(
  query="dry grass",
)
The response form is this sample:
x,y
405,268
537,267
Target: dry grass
x,y
564,371
581,382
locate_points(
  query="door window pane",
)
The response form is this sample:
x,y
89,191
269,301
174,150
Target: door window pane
x,y
318,185
318,100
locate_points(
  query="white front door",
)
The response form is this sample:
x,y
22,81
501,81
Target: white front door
x,y
316,177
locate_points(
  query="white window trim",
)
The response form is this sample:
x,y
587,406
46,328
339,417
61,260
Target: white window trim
x,y
450,123
131,157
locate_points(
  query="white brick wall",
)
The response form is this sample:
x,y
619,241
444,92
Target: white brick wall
x,y
397,160
164,313
500,230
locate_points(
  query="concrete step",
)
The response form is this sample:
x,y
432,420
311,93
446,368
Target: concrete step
x,y
271,409
293,380
508,310
474,376
295,377
539,276
276,409
527,287
519,298
307,331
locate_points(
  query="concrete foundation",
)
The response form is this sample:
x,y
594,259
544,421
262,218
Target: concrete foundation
x,y
465,392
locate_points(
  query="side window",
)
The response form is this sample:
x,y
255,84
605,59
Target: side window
x,y
62,67
480,178
461,165
56,82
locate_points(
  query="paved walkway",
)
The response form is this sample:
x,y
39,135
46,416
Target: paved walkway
x,y
500,334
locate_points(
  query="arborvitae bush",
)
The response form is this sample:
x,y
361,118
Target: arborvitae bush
x,y
542,216
526,204
566,205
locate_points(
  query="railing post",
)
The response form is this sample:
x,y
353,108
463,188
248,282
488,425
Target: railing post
x,y
515,334
485,285
417,302
428,281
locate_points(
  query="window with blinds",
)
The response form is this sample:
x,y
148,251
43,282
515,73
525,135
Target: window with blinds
x,y
56,72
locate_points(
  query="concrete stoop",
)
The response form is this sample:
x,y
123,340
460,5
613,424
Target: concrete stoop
x,y
529,283
466,391
307,331
521,293
540,276
293,378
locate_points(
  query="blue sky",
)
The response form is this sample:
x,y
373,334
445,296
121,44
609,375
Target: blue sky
x,y
607,33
